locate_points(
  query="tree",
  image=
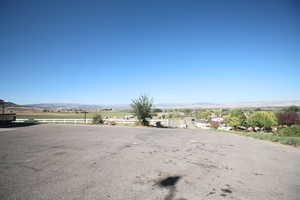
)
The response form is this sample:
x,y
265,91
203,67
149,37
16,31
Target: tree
x,y
293,109
288,118
232,121
238,113
262,119
236,118
206,115
157,110
142,108
187,111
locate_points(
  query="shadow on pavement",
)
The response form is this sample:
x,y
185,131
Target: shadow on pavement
x,y
15,125
170,184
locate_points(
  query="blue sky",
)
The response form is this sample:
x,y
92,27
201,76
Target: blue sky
x,y
108,52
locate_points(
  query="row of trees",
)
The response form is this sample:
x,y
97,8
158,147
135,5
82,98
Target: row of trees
x,y
261,119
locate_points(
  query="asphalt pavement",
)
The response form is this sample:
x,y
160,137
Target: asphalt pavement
x,y
119,163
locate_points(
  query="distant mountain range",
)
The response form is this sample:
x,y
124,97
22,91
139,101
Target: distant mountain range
x,y
10,104
253,104
13,107
66,106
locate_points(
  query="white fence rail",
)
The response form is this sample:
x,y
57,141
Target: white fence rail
x,y
164,122
63,121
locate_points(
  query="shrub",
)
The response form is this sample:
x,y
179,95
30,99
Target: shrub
x,y
262,119
288,118
215,125
292,131
140,123
142,108
97,119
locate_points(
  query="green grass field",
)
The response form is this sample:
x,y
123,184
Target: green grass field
x,y
60,115
294,141
281,139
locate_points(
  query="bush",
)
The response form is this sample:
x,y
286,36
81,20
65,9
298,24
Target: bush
x,y
288,118
97,119
140,123
262,119
292,131
215,125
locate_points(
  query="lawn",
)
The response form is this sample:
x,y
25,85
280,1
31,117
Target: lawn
x,y
294,141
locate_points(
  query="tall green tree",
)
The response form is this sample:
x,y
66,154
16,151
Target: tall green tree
x,y
236,118
232,121
205,115
238,113
141,107
262,119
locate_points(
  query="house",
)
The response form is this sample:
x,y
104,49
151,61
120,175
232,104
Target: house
x,y
6,117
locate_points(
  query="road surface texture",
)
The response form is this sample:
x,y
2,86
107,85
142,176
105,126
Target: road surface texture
x,y
120,163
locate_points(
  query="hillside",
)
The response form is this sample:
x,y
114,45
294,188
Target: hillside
x,y
13,107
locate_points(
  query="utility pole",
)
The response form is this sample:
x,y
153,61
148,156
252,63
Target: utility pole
x,y
85,116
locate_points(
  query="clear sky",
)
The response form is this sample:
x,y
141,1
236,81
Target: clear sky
x,y
108,52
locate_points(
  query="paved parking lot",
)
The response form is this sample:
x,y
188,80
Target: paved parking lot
x,y
119,163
